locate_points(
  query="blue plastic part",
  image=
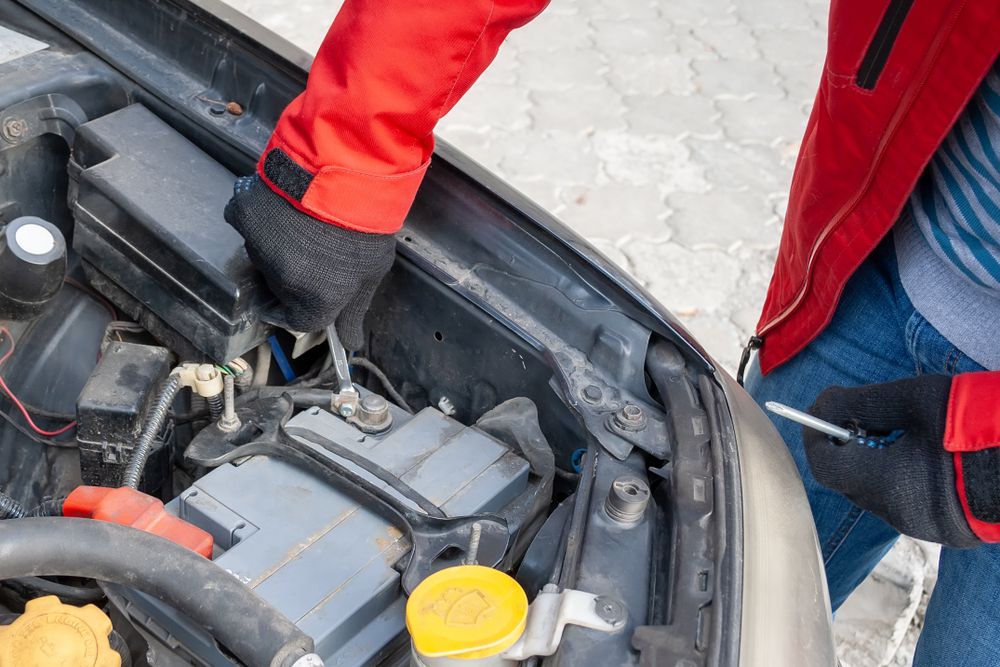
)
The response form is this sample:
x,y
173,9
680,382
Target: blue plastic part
x,y
879,442
576,459
280,358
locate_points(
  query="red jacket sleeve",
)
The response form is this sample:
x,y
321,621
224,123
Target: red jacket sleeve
x,y
972,428
353,148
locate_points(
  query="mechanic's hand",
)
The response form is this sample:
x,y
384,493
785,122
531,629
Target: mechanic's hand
x,y
322,273
903,475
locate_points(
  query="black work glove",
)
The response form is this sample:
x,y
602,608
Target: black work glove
x,y
322,273
901,471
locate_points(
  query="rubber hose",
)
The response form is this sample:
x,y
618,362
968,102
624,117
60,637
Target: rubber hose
x,y
254,631
157,413
30,587
301,398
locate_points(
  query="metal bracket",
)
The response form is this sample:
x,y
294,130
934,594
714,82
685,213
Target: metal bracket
x,y
46,114
600,405
552,611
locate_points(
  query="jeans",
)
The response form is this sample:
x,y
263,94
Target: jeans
x,y
877,336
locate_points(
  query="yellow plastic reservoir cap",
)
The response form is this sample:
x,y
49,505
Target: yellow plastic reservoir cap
x,y
52,634
467,611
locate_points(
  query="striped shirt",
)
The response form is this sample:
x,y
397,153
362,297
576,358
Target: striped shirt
x,y
956,205
948,239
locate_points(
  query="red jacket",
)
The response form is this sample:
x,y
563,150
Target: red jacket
x,y
870,135
361,135
353,148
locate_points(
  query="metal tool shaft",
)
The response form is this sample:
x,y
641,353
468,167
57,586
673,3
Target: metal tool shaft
x,y
340,365
807,419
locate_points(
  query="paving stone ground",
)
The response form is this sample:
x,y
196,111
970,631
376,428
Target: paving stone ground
x,y
666,133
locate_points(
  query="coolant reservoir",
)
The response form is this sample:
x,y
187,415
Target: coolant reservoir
x,y
466,615
52,634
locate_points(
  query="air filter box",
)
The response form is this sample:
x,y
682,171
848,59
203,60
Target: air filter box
x,y
148,206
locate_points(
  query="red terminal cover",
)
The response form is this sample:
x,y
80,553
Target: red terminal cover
x,y
129,507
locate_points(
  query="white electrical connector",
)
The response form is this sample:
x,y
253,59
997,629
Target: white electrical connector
x,y
446,406
204,379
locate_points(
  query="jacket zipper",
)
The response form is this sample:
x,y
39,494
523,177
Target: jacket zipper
x,y
894,123
881,45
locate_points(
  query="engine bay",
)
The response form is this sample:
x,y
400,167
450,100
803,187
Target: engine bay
x,y
505,413
184,303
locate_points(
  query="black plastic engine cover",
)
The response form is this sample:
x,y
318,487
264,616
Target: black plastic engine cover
x,y
148,205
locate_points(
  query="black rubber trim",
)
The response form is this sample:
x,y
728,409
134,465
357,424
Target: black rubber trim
x,y
882,43
285,173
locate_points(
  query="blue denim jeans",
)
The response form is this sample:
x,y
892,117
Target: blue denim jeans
x,y
877,336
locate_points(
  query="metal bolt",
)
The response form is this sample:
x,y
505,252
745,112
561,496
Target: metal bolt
x,y
592,393
217,109
627,499
14,129
610,610
630,418
229,421
346,410
473,552
308,660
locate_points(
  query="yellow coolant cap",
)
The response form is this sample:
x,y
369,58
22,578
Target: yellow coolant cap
x,y
52,634
466,612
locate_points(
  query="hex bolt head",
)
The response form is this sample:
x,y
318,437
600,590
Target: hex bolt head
x,y
629,418
592,393
14,128
627,499
346,410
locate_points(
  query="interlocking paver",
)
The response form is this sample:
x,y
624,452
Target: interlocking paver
x,y
735,41
788,45
665,269
673,115
665,132
649,159
728,164
721,216
761,120
650,73
551,110
723,79
774,13
562,70
595,211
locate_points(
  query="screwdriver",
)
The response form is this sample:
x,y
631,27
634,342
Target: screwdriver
x,y
815,423
839,434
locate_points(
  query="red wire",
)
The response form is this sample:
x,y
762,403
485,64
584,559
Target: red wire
x,y
17,403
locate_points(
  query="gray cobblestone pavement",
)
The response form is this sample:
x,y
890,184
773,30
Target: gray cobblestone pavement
x,y
666,133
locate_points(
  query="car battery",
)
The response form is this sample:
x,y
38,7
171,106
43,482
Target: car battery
x,y
317,555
